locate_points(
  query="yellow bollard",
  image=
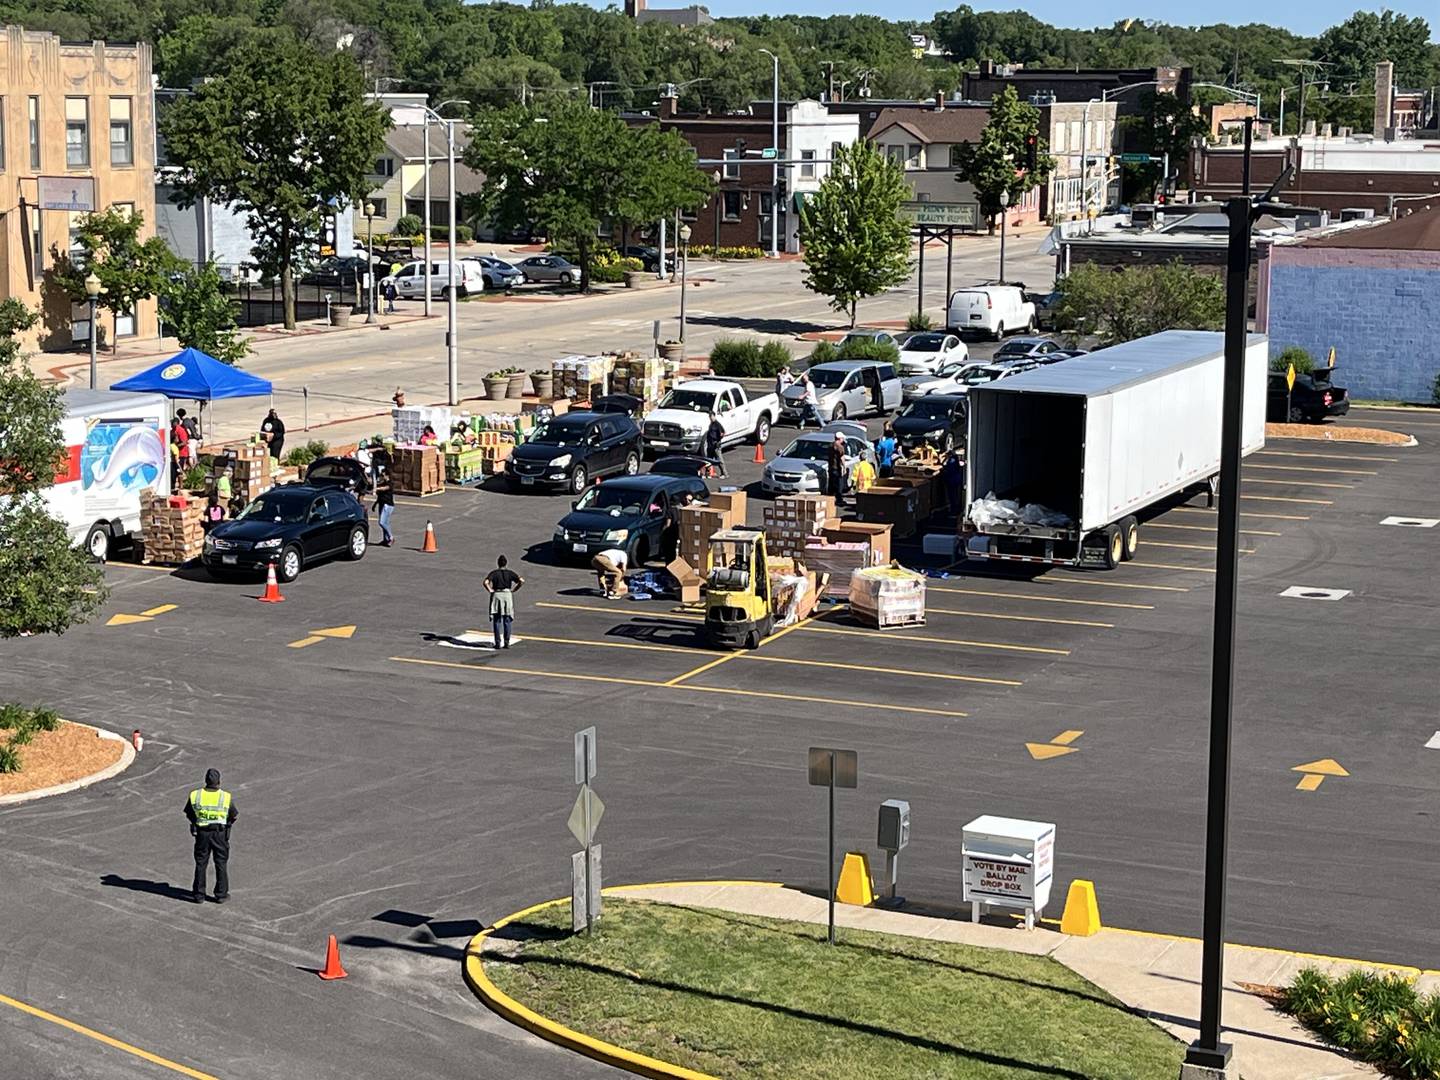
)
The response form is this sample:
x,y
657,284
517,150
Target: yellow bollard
x,y
855,887
1082,910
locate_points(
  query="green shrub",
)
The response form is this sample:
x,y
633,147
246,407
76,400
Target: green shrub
x,y
409,225
1293,354
773,356
304,455
9,759
609,274
1305,997
195,478
823,353
869,349
1421,1058
463,233
12,716
735,359
709,251
918,320
1379,1018
45,719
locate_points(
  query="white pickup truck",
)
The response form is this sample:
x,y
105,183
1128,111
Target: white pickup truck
x,y
679,423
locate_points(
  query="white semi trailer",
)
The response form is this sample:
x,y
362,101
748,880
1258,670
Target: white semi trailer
x,y
1062,459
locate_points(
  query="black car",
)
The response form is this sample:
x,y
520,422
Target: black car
x,y
341,472
682,465
632,514
622,404
936,420
292,527
1314,398
569,451
336,270
649,256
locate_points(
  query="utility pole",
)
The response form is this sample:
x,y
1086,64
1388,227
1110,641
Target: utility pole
x,y
829,66
775,162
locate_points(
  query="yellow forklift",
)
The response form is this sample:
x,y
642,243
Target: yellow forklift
x,y
739,612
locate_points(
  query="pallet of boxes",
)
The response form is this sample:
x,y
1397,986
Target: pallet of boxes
x,y
173,528
640,376
791,521
888,597
842,547
418,470
726,510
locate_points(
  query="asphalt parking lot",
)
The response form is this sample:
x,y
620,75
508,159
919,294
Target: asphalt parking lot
x,y
394,790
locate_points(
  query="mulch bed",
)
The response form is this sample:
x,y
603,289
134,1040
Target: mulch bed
x,y
70,752
1335,433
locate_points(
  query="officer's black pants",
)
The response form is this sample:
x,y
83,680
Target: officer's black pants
x,y
212,840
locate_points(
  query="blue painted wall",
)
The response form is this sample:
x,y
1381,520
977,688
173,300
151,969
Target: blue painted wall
x,y
1383,323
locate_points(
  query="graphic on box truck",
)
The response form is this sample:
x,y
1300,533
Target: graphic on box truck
x,y
122,455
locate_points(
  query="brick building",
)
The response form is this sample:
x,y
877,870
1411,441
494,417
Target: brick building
x,y
1125,86
1368,291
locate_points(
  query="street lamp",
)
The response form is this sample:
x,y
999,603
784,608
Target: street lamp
x,y
684,236
369,209
775,161
718,176
93,289
1004,202
426,114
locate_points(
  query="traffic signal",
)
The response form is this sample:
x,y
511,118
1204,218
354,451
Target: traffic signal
x,y
1032,152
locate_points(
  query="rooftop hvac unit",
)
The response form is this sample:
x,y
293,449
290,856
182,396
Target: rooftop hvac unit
x,y
1356,213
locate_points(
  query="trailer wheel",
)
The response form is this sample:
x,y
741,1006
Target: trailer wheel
x,y
1130,533
1113,545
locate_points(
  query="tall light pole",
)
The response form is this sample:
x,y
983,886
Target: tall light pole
x,y
369,261
684,238
93,289
775,150
718,176
1004,204
427,113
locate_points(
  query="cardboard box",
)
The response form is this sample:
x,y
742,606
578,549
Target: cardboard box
x,y
689,580
895,506
876,534
924,488
731,501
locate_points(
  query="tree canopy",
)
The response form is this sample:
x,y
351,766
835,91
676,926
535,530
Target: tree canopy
x,y
997,164
1123,303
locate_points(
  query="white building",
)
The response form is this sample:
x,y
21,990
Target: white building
x,y
812,134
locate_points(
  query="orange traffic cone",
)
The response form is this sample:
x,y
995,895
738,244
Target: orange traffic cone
x,y
429,545
272,587
332,969
759,457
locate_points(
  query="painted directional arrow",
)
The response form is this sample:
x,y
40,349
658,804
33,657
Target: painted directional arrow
x,y
1434,743
1316,771
317,636
144,616
1056,747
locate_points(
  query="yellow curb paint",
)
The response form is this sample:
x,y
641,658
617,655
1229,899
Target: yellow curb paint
x,y
161,610
1041,599
100,1037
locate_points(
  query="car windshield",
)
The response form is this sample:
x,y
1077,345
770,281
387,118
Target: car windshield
x,y
808,449
980,375
924,342
827,378
615,500
560,433
951,371
327,469
1015,348
694,400
934,410
277,506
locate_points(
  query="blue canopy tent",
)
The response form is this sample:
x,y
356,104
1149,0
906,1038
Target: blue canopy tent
x,y
197,376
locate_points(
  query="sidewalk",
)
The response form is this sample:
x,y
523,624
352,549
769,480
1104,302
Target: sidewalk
x,y
1157,975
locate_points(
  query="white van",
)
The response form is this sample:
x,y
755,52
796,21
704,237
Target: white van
x,y
410,278
993,310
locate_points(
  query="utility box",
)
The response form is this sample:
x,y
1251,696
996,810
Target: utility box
x,y
894,832
1008,862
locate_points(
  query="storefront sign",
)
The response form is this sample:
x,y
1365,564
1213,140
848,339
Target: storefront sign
x,y
956,215
67,193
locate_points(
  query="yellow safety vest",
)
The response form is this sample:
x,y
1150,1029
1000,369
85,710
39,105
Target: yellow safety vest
x,y
212,807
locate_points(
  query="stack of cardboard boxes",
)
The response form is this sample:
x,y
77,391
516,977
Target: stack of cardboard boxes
x,y
173,528
418,470
494,448
842,547
643,377
897,505
791,520
463,462
726,510
580,378
249,467
411,421
888,596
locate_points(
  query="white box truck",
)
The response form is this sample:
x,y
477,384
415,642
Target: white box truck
x,y
116,445
1062,459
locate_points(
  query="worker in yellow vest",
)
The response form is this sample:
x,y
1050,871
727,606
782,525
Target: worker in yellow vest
x,y
211,812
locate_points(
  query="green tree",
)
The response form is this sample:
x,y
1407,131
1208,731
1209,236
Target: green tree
x,y
108,243
46,584
995,165
1356,45
855,244
570,168
278,135
198,312
1122,303
1165,125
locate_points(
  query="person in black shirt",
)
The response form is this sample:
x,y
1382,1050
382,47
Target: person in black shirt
x,y
835,468
714,437
385,504
502,584
272,429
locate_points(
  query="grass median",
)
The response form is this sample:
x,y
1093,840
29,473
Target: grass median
x,y
742,996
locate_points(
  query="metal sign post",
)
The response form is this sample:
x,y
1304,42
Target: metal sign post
x,y
831,768
1289,389
583,821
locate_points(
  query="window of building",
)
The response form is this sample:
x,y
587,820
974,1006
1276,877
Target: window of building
x,y
765,202
807,164
1075,141
1061,139
954,157
73,234
384,166
732,171
912,156
378,206
896,154
122,132
835,148
35,133
732,206
688,215
126,208
37,240
77,132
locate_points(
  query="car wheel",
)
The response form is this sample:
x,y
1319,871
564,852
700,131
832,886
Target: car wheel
x,y
632,463
641,554
762,431
1130,534
97,541
1297,415
565,278
355,549
578,479
290,562
463,293
999,331
445,293
1030,326
838,413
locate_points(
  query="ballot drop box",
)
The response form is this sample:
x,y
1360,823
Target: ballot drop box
x,y
1008,863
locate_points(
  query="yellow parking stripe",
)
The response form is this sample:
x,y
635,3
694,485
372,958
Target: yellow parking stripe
x,y
816,628
734,655
619,611
1172,566
1298,483
1243,513
1315,468
616,644
1072,578
1192,547
1329,457
1019,618
1041,599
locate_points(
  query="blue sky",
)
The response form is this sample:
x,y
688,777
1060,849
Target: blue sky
x,y
1303,17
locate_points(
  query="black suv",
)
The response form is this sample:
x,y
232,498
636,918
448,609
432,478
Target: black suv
x,y
1314,398
937,420
569,451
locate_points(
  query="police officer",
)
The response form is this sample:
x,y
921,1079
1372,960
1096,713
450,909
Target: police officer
x,y
211,812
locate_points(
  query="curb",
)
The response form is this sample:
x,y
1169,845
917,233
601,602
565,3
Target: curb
x,y
127,758
551,1031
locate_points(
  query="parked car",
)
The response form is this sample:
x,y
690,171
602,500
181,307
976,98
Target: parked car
x,y
571,450
346,473
336,270
1047,308
1026,348
496,273
682,418
649,256
804,465
547,268
410,279
1063,354
882,337
292,527
624,404
992,310
943,381
988,373
631,513
847,388
927,351
1314,398
936,420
